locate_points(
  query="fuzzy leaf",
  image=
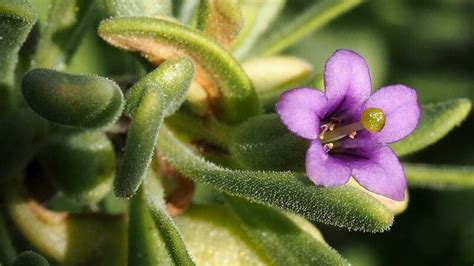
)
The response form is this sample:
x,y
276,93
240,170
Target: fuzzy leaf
x,y
69,239
221,20
141,138
139,8
67,21
264,143
154,196
158,94
437,120
215,236
30,258
439,176
172,78
21,135
145,245
284,241
257,16
227,86
342,206
75,100
315,17
17,18
80,163
273,75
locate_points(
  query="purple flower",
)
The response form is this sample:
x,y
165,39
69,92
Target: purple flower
x,y
349,129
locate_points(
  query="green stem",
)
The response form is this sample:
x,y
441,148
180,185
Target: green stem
x,y
313,18
7,251
439,177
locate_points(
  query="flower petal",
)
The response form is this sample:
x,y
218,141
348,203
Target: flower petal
x,y
346,80
300,111
402,111
378,170
323,169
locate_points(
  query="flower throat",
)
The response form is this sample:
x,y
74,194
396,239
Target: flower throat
x,y
372,120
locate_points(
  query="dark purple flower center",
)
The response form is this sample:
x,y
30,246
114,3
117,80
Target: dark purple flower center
x,y
371,120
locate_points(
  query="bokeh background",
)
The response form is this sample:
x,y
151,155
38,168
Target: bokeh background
x,y
428,45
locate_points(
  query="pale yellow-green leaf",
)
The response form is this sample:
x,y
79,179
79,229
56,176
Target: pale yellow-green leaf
x,y
273,75
69,239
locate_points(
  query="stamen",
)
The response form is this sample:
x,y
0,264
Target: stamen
x,y
341,132
324,130
328,146
328,126
353,135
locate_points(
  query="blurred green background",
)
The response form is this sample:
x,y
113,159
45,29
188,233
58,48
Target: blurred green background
x,y
427,45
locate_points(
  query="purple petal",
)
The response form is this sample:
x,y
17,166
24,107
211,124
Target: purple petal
x,y
379,170
346,80
402,111
323,169
300,111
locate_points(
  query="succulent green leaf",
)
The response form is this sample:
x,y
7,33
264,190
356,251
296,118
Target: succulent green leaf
x,y
7,251
285,242
69,239
221,20
63,31
145,245
315,17
257,16
141,138
172,78
437,120
264,143
158,94
229,90
342,206
140,8
17,18
21,135
30,258
273,75
154,197
215,236
80,163
75,100
439,176
154,239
